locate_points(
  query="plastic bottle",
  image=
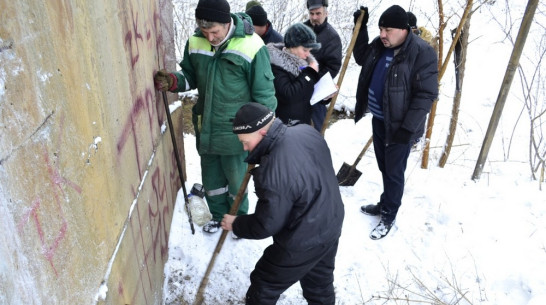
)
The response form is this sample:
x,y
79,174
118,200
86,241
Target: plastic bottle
x,y
199,208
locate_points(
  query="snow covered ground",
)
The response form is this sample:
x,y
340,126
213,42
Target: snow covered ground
x,y
477,242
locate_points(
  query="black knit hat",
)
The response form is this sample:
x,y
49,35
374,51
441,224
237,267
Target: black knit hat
x,y
251,117
258,15
412,20
313,4
213,10
394,17
299,34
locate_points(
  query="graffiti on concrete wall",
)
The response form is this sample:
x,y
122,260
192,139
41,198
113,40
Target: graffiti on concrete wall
x,y
148,224
50,240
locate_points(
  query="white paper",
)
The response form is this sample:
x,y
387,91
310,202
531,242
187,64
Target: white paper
x,y
323,88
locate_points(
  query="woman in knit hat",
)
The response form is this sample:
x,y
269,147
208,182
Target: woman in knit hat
x,y
296,73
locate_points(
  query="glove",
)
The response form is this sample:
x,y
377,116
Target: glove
x,y
164,81
401,136
356,14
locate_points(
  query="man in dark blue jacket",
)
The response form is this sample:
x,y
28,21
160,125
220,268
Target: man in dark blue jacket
x,y
299,204
398,84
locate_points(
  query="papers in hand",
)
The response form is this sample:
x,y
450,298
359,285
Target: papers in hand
x,y
323,88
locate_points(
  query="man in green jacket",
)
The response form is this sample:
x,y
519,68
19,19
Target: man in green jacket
x,y
229,65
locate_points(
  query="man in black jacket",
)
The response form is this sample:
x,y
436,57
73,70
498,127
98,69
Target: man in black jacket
x,y
262,25
299,204
398,84
328,56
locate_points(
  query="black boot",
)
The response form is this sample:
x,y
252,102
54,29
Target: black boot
x,y
371,209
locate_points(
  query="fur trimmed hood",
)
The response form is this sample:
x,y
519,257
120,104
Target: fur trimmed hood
x,y
287,61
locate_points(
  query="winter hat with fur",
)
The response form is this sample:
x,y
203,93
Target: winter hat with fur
x,y
213,10
299,34
394,17
251,117
258,15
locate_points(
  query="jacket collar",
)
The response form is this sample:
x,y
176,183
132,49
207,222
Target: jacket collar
x,y
319,28
264,147
282,58
240,23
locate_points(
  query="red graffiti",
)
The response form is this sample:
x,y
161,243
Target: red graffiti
x,y
143,106
49,247
157,213
132,36
149,237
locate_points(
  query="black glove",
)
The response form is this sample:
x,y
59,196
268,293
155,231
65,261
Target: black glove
x,y
164,80
401,136
356,14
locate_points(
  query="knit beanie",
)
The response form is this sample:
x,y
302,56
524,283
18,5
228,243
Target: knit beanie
x,y
299,34
251,117
412,20
251,3
313,4
394,17
258,15
213,10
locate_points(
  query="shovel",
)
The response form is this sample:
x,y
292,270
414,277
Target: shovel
x,y
200,297
348,174
342,72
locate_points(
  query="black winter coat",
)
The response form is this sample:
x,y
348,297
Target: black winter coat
x,y
294,84
329,55
411,85
271,35
299,203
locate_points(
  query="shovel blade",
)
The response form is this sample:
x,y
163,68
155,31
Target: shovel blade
x,y
347,175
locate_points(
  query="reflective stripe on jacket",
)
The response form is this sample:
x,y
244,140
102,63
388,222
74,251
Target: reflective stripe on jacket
x,y
238,72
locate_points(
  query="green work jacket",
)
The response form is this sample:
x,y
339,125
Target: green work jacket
x,y
237,73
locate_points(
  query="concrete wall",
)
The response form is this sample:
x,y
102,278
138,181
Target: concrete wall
x,y
87,178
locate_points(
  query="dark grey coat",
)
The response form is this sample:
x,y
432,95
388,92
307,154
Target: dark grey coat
x,y
329,55
299,202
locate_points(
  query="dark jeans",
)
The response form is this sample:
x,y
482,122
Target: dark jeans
x,y
280,268
392,160
318,114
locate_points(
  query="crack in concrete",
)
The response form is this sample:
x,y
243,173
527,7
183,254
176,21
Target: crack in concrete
x,y
8,155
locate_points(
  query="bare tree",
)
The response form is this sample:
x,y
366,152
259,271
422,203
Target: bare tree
x,y
505,87
461,48
533,87
442,66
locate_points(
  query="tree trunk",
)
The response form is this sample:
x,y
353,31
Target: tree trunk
x,y
441,70
460,62
505,87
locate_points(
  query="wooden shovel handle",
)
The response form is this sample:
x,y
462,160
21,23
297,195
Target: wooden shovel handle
x,y
343,69
199,298
362,152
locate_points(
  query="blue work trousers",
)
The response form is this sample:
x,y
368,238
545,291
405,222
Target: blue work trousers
x,y
392,160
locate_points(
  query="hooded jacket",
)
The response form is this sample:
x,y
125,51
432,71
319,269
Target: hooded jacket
x,y
299,202
238,72
294,84
411,85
